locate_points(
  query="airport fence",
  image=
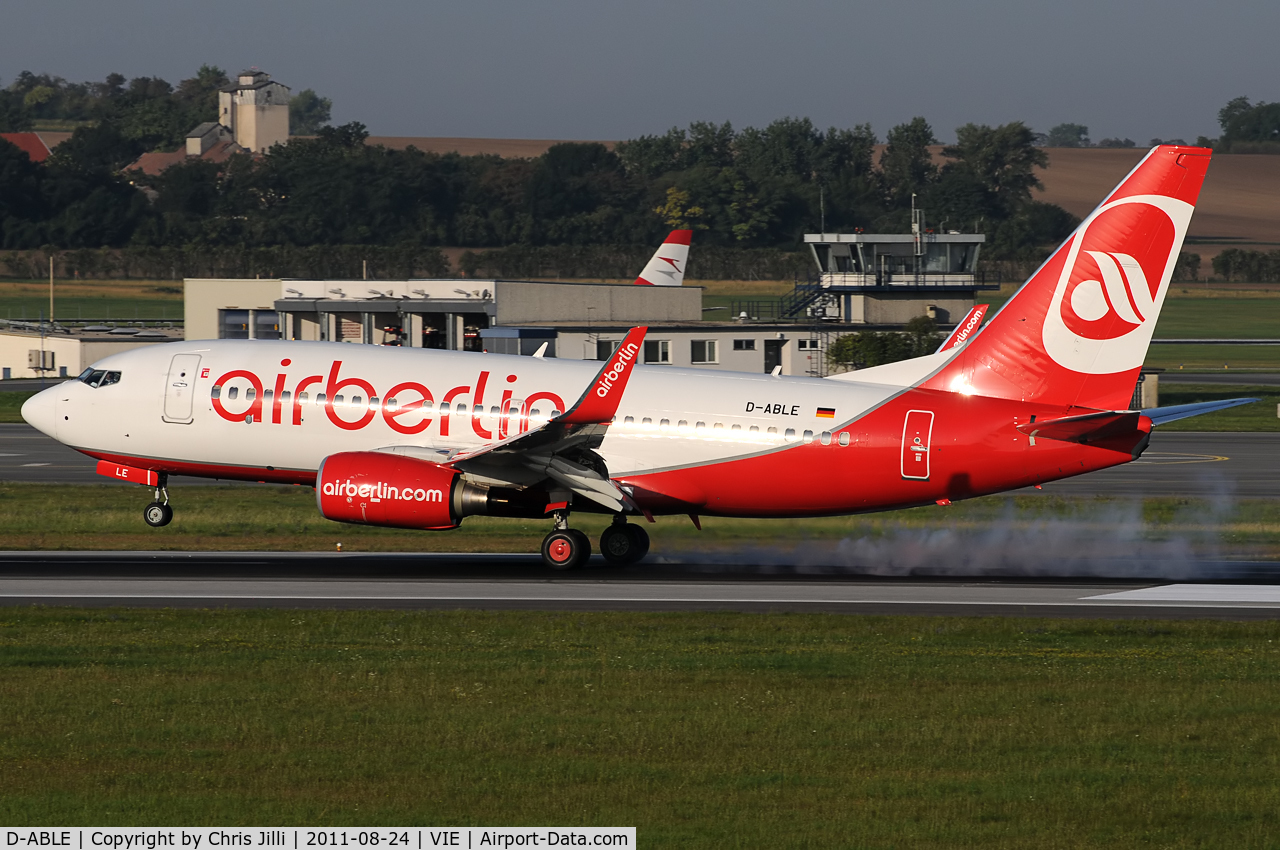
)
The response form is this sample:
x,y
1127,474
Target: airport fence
x,y
314,262
706,262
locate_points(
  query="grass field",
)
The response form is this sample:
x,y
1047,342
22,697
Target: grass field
x,y
1003,528
1215,358
11,405
120,300
702,730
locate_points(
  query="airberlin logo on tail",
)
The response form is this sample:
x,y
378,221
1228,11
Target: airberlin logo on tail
x,y
625,354
1126,294
1113,282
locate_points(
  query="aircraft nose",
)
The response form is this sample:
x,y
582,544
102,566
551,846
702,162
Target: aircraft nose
x,y
40,411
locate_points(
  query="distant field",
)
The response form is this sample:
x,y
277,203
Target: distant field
x,y
1259,416
1215,358
122,300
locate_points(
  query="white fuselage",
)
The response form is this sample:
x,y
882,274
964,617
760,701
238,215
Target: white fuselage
x,y
288,405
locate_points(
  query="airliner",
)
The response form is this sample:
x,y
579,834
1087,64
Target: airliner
x,y
421,439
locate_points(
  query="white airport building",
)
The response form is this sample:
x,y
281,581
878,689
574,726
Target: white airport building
x,y
582,321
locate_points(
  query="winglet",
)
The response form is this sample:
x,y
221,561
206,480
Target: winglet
x,y
966,328
600,402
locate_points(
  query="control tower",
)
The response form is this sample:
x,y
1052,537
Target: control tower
x,y
891,278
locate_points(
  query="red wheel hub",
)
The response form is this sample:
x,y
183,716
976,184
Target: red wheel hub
x,y
560,550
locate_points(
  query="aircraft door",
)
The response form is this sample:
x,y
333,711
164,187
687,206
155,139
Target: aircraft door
x,y
179,390
917,431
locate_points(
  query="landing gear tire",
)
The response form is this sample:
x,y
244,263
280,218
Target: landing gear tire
x,y
623,543
566,549
641,538
157,514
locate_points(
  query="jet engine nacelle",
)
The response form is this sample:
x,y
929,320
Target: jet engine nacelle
x,y
374,488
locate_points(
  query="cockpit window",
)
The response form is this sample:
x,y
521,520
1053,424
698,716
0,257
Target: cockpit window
x,y
99,377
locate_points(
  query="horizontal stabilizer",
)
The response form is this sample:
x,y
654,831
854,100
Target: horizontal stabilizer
x,y
1086,428
1161,415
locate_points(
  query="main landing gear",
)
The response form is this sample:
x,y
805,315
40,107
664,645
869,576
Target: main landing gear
x,y
623,543
158,514
567,548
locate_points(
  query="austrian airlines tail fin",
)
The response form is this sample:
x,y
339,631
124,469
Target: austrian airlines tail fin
x,y
1077,332
666,268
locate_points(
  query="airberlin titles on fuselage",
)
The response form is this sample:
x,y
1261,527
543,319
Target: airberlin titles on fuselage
x,y
407,407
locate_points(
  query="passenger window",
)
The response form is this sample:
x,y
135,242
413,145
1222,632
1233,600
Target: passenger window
x,y
444,409
233,393
373,401
628,420
494,411
717,427
533,414
460,410
647,422
284,396
428,406
772,430
790,435
736,428
754,429
216,392
700,426
251,393
338,399
844,438
320,398
393,403
357,400
266,395
664,424
554,413
683,425
808,437
826,438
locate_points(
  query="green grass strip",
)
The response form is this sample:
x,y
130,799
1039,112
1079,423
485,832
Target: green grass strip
x,y
702,730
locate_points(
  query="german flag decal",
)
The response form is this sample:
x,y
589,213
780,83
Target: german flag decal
x,y
826,413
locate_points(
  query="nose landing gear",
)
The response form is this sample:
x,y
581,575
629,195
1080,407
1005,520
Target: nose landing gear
x,y
158,514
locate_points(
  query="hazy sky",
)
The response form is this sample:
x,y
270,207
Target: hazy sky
x,y
573,69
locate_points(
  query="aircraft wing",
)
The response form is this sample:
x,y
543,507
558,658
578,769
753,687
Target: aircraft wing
x,y
562,449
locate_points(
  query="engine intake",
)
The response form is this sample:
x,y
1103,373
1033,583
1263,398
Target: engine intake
x,y
373,488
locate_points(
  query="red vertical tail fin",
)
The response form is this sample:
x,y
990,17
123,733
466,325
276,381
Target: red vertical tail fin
x,y
1077,331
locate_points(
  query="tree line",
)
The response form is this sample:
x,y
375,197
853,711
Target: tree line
x,y
755,189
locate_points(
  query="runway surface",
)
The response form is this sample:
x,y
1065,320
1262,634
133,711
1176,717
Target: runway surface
x,y
506,582
1245,465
